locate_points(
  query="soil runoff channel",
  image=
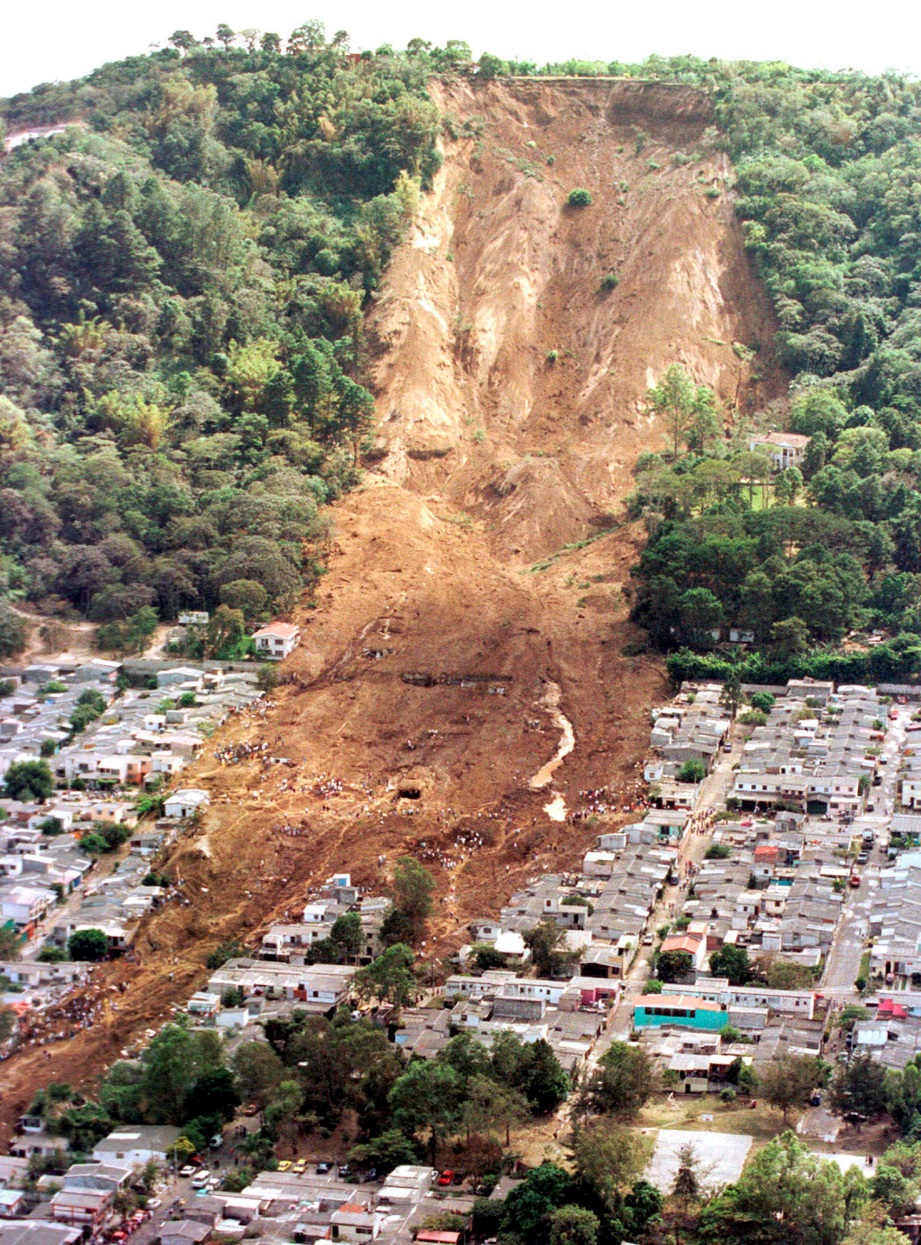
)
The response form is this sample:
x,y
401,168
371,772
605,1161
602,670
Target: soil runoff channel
x,y
556,807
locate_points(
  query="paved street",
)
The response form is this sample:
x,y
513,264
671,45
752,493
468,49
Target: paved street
x,y
842,966
692,850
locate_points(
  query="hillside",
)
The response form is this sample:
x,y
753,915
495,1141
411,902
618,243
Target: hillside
x,y
455,640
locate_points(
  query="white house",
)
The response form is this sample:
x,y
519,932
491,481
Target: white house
x,y
23,905
785,449
136,1144
277,640
186,803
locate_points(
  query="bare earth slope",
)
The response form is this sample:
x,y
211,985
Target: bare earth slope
x,y
457,648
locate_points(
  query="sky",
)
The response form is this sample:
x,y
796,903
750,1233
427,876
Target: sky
x,y
63,39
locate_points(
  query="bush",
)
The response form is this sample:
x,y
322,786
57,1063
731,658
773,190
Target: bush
x,y
753,717
727,1096
552,356
610,281
224,951
692,771
28,781
717,851
88,944
51,955
267,678
579,198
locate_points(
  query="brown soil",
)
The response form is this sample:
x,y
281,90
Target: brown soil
x,y
490,461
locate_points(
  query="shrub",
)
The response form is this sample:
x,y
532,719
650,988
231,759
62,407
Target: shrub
x,y
717,851
51,955
552,356
267,678
88,944
692,771
579,198
224,951
610,281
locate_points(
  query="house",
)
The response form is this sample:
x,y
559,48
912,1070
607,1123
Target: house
x,y
681,1010
184,1232
12,1203
186,803
24,905
276,640
136,1144
13,1172
180,676
694,945
38,1232
354,1222
785,449
86,1207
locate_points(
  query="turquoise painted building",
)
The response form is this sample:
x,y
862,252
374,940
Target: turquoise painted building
x,y
651,1011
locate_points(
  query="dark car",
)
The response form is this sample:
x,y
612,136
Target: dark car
x,y
344,1171
323,1168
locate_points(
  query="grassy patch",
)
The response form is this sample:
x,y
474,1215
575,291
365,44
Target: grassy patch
x,y
573,548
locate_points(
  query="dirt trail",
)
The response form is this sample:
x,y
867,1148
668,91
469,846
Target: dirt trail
x,y
418,710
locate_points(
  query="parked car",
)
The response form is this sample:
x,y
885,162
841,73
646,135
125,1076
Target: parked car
x,y
323,1168
446,1178
216,1141
459,1178
187,1171
344,1171
284,1165
251,1109
816,1099
299,1167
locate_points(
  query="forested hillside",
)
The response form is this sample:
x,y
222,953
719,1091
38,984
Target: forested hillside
x,y
182,285
827,182
181,289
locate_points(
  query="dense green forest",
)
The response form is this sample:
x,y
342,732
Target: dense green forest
x,y
181,291
826,171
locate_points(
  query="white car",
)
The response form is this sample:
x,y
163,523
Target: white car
x,y
188,1170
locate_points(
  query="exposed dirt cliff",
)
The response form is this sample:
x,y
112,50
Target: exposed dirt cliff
x,y
463,673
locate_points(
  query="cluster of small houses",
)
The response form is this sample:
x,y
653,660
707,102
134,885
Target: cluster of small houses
x,y
286,1206
137,743
776,886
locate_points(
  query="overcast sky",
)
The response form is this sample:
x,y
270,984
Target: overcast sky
x,y
61,39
